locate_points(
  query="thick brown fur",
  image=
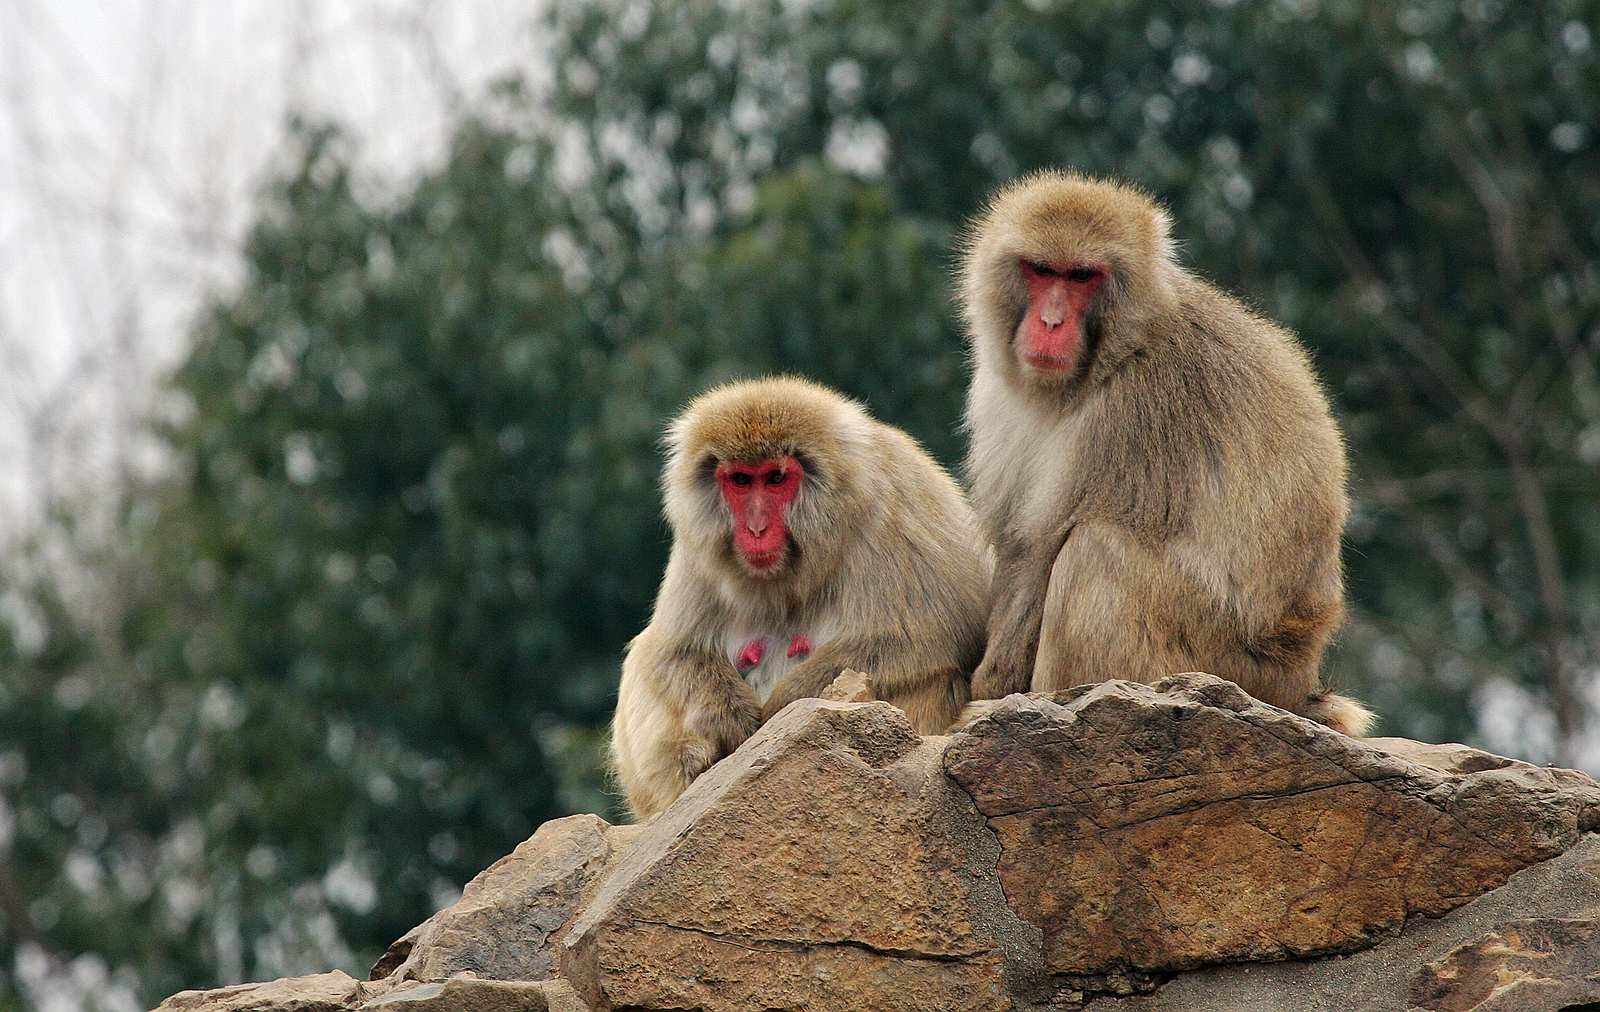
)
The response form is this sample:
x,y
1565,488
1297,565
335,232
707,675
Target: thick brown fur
x,y
888,575
1176,501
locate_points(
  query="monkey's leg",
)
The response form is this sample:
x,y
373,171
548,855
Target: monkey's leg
x,y
923,671
1107,613
644,755
1021,581
1280,662
932,700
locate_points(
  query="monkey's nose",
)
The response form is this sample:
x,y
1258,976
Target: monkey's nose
x,y
755,517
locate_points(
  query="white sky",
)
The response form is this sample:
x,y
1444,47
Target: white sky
x,y
133,136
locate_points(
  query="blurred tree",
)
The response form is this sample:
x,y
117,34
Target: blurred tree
x,y
362,640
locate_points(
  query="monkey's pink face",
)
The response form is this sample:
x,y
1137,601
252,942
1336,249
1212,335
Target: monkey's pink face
x,y
758,494
1051,337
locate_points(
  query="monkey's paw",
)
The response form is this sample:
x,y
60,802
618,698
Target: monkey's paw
x,y
773,705
695,756
994,680
724,729
745,719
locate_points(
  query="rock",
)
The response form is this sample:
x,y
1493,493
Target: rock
x,y
460,994
1386,978
338,992
1120,846
399,951
322,992
826,864
1551,962
850,687
1152,829
508,920
1451,758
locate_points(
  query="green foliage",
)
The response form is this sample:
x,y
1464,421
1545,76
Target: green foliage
x,y
363,638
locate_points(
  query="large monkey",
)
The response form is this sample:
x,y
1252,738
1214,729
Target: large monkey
x,y
806,538
1155,464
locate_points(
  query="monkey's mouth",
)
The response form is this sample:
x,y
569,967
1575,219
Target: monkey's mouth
x,y
1048,363
764,563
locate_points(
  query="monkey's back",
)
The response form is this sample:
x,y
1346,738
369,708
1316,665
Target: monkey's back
x,y
1218,421
1251,513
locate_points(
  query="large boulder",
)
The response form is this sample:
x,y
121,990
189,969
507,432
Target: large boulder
x,y
1120,845
1151,829
829,862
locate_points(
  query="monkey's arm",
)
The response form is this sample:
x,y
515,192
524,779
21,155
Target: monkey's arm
x,y
680,708
717,704
1021,583
808,679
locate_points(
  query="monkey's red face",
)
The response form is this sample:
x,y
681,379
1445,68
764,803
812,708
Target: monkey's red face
x,y
1051,337
758,495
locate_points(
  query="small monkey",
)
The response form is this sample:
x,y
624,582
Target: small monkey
x,y
1156,465
806,538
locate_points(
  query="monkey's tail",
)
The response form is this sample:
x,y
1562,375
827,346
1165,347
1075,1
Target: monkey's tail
x,y
1341,713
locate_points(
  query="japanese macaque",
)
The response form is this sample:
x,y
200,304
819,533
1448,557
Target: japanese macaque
x,y
1155,464
806,538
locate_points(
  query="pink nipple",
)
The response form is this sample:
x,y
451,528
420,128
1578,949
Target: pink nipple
x,y
751,655
800,646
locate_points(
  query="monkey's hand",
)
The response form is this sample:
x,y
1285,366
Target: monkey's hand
x,y
997,676
1022,578
776,702
712,732
822,664
810,685
694,757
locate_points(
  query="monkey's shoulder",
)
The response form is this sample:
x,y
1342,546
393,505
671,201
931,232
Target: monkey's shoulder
x,y
1223,334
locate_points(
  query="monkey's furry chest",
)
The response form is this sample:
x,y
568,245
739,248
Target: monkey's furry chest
x,y
773,655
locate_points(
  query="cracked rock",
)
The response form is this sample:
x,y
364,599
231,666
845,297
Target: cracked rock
x,y
821,866
1174,846
1153,829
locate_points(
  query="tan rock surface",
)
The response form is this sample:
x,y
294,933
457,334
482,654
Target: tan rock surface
x,y
850,687
826,864
1147,830
1551,962
468,995
1177,846
508,920
339,992
322,992
1385,978
1449,758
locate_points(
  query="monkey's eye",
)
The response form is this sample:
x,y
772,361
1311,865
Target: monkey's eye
x,y
776,477
1081,274
1034,267
740,479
